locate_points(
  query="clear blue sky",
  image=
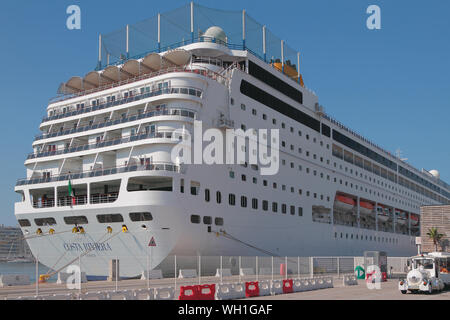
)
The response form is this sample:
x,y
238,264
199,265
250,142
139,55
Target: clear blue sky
x,y
391,85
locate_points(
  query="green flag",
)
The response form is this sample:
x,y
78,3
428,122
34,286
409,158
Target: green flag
x,y
71,193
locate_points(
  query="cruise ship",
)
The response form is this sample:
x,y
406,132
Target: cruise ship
x,y
101,183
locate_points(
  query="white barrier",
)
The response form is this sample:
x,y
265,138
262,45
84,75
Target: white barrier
x,y
313,284
239,290
320,283
118,295
265,271
246,272
62,277
23,298
166,293
276,287
225,273
187,273
298,285
224,291
153,274
9,280
329,282
58,297
264,288
144,294
94,296
350,280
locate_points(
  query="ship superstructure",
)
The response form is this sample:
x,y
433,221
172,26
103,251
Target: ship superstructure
x,y
101,182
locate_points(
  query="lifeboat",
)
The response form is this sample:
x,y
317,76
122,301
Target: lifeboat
x,y
344,203
383,213
365,207
414,219
401,217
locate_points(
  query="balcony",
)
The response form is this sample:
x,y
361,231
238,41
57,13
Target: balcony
x,y
104,198
173,90
99,125
69,201
47,203
103,144
168,167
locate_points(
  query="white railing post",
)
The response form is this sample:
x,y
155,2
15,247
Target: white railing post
x,y
338,267
272,268
37,274
175,277
221,271
239,268
256,268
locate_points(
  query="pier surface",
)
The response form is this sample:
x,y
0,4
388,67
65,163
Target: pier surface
x,y
388,291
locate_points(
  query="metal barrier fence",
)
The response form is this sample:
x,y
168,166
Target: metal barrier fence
x,y
177,271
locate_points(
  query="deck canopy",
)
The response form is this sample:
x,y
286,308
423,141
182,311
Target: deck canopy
x,y
75,84
132,67
153,61
178,57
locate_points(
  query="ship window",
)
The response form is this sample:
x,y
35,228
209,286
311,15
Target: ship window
x,y
141,216
255,203
109,218
76,220
45,222
244,202
195,188
274,207
150,184
218,221
231,199
218,197
24,223
207,220
195,219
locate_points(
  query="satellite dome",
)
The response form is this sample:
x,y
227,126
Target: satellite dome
x,y
435,174
216,33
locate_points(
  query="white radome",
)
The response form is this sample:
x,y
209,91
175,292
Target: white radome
x,y
435,174
216,33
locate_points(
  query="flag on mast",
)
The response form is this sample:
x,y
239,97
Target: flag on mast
x,y
71,193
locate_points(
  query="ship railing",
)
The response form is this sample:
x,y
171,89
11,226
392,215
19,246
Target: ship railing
x,y
208,60
103,198
206,73
104,124
157,92
49,203
100,172
103,144
69,201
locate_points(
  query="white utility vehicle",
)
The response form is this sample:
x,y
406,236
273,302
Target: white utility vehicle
x,y
427,273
